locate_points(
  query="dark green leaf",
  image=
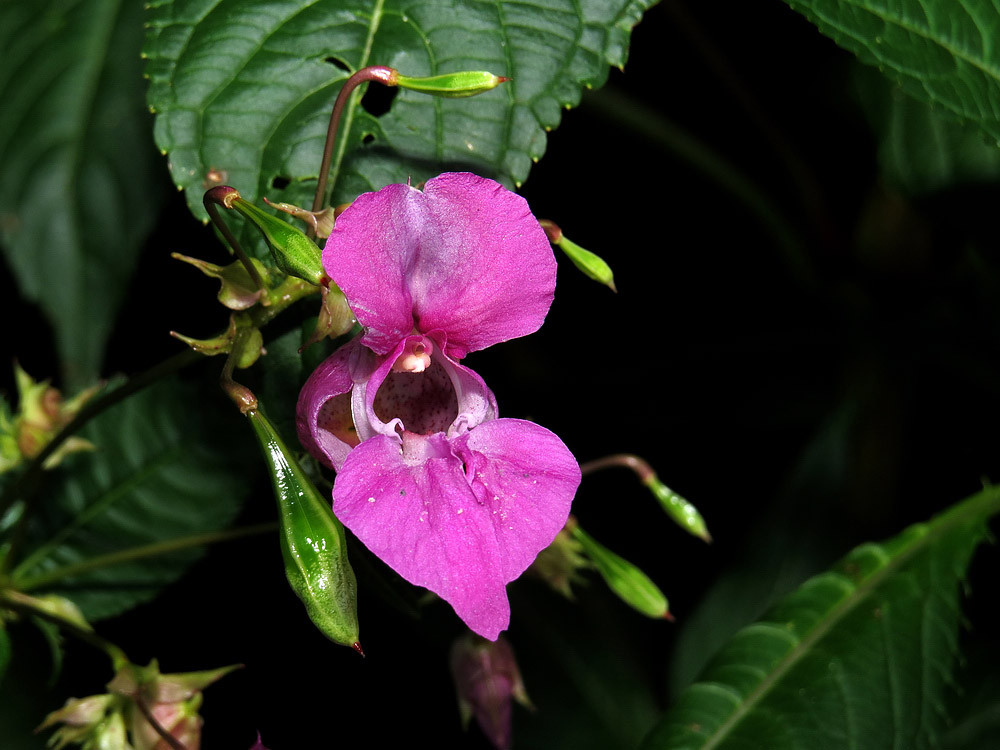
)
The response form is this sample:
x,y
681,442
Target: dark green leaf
x,y
940,51
79,187
859,656
159,473
920,149
247,89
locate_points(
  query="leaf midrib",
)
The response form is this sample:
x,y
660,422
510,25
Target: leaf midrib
x,y
989,497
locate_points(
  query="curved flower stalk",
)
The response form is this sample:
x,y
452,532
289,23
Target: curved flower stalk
x,y
429,478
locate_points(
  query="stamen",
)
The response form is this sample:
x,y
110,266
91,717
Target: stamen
x,y
416,357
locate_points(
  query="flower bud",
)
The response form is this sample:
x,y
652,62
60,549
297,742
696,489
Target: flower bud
x,y
41,414
559,563
93,721
630,584
486,679
237,290
592,265
680,510
313,543
452,85
172,700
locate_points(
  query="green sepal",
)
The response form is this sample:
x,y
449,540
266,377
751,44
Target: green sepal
x,y
630,584
592,265
237,290
293,252
313,543
452,85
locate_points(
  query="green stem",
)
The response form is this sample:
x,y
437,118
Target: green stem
x,y
137,553
18,602
25,485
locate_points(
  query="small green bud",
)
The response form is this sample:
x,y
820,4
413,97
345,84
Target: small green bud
x,y
41,414
223,343
453,85
559,563
313,543
630,584
293,252
679,509
592,265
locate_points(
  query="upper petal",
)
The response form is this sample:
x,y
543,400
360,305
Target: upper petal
x,y
465,256
422,519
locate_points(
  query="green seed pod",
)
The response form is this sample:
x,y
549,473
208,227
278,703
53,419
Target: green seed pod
x,y
312,542
294,253
452,85
630,584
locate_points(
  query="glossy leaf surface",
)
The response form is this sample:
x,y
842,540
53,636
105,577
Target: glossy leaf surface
x,y
858,656
244,91
157,474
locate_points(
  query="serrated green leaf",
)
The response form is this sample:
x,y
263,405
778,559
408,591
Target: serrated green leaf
x,y
919,149
245,89
859,656
942,52
79,188
159,472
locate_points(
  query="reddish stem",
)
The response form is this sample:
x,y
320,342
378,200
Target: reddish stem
x,y
223,195
379,73
642,469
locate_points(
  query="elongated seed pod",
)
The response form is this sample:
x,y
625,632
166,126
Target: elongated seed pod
x,y
312,541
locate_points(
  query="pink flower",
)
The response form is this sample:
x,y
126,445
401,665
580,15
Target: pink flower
x,y
428,478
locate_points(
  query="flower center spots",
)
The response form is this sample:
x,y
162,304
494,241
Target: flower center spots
x,y
424,400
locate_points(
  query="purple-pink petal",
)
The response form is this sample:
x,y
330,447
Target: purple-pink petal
x,y
323,413
527,478
462,517
423,521
465,256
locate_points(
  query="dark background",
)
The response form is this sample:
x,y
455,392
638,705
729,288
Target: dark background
x,y
806,398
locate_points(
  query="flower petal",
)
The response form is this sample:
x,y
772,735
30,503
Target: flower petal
x,y
475,401
420,517
465,256
323,412
526,478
